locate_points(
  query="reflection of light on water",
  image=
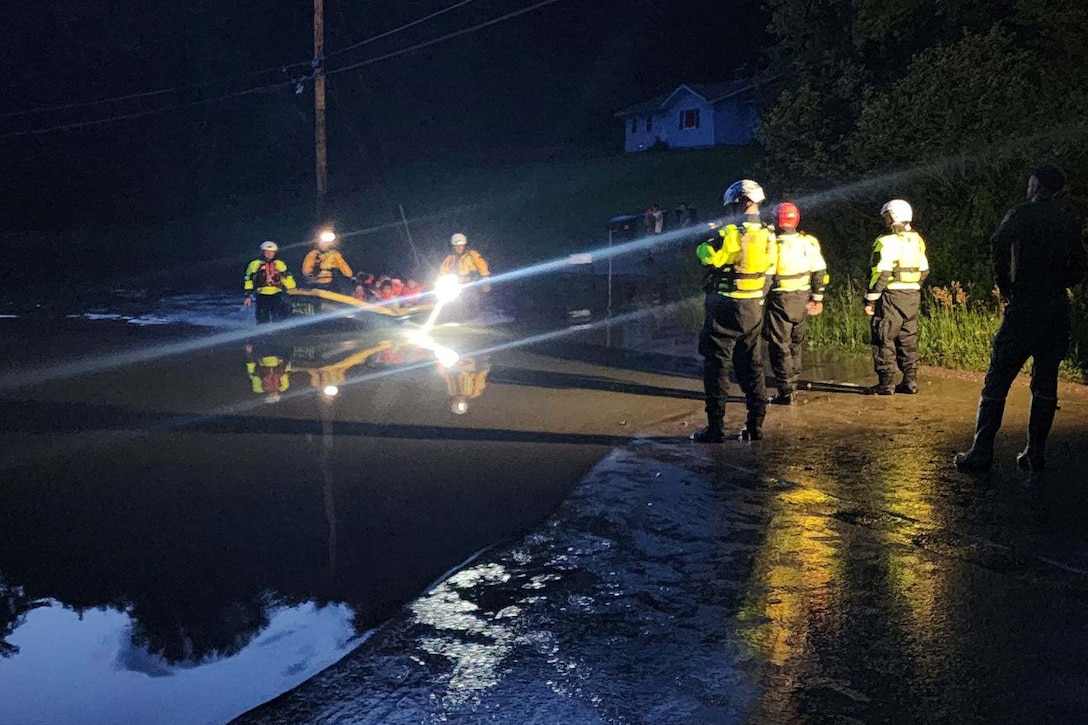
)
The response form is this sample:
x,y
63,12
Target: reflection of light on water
x,y
906,487
421,339
792,604
475,664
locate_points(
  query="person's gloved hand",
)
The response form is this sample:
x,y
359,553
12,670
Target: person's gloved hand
x,y
247,301
870,310
814,308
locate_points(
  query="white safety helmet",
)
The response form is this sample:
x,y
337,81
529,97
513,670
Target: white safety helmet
x,y
458,239
898,210
744,189
270,246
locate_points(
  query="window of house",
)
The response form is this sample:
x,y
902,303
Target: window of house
x,y
689,118
649,124
634,125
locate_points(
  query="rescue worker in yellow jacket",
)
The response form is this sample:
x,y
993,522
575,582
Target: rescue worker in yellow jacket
x,y
267,278
321,264
465,381
900,267
797,292
468,264
269,371
739,263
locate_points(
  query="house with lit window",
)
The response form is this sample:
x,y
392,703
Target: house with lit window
x,y
695,115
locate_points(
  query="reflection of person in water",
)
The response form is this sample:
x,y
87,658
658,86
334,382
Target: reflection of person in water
x,y
465,381
269,371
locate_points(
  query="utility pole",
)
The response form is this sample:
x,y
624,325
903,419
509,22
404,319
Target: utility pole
x,y
319,108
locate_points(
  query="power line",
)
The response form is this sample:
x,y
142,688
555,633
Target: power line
x,y
250,74
149,94
138,114
443,38
281,84
402,28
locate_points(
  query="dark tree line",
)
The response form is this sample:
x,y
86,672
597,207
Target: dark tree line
x,y
950,100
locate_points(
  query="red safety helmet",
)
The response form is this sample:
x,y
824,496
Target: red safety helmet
x,y
789,216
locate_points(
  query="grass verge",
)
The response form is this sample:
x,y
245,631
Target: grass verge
x,y
954,330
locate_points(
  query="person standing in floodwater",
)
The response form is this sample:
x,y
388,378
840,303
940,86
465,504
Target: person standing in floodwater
x,y
1038,254
893,299
267,278
320,265
739,263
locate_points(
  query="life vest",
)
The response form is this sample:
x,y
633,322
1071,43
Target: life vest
x,y
799,258
738,267
901,257
322,263
267,275
269,374
469,266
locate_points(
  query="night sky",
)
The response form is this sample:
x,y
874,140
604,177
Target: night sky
x,y
550,78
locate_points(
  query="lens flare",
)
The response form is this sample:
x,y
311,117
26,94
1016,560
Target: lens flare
x,y
447,289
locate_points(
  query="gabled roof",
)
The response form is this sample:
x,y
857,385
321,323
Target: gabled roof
x,y
709,92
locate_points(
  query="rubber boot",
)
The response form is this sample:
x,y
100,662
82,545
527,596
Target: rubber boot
x,y
753,427
885,386
784,397
909,386
980,458
1033,458
713,433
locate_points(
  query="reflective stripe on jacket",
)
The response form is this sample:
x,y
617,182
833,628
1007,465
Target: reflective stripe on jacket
x,y
267,277
325,262
899,263
742,266
801,265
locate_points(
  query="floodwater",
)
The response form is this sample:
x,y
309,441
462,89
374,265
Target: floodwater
x,y
185,537
523,536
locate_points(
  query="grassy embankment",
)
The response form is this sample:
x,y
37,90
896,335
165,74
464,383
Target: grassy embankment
x,y
954,331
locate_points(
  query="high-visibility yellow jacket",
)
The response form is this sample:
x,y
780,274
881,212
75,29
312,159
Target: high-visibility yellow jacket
x,y
468,266
899,263
321,265
268,277
740,261
800,265
468,380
